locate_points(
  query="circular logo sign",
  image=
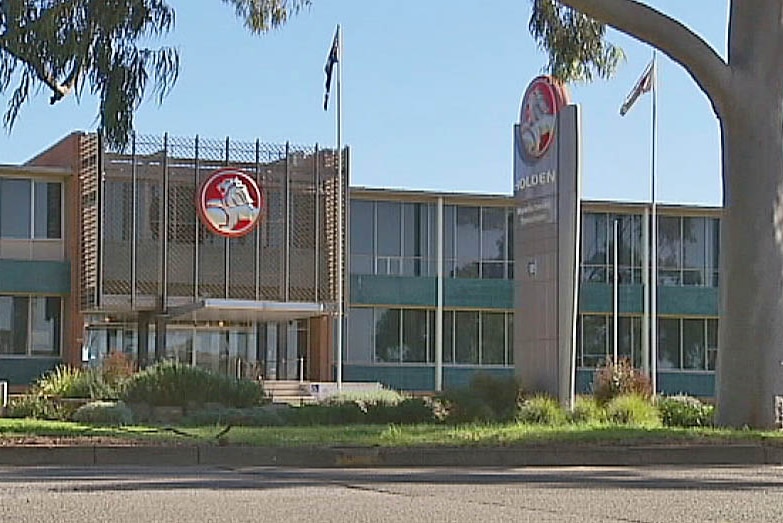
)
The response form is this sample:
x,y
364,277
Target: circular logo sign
x,y
540,105
229,203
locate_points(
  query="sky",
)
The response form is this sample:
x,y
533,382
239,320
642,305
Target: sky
x,y
430,94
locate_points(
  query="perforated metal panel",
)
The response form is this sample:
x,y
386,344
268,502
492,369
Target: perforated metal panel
x,y
156,252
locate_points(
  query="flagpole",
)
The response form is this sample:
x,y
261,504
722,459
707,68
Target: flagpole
x,y
340,210
654,253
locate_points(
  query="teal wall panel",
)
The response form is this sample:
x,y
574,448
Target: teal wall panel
x,y
482,294
457,292
23,371
700,384
418,377
392,290
35,277
697,301
597,297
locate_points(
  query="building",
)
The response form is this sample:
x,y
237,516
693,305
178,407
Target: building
x,y
103,251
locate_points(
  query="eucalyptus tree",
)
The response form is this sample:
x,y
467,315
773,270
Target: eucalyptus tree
x,y
67,46
746,93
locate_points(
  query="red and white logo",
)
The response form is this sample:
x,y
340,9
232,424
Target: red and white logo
x,y
542,101
230,202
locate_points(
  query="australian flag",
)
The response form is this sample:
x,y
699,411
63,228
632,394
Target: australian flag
x,y
333,58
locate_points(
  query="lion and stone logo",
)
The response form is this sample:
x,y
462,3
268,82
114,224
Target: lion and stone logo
x,y
230,203
542,101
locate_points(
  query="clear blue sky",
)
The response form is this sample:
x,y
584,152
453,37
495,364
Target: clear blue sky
x,y
431,91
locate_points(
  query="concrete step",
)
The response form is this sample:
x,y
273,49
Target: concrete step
x,y
295,400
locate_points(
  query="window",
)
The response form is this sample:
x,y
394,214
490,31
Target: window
x,y
387,335
362,236
493,242
414,335
389,227
15,205
360,334
467,242
48,210
416,243
30,325
594,248
493,336
466,337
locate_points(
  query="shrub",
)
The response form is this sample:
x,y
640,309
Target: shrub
x,y
486,398
176,385
586,410
462,406
615,379
337,414
246,417
104,413
32,406
685,411
408,411
366,398
71,382
542,410
633,409
117,368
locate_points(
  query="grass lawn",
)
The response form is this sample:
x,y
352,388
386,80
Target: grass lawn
x,y
16,431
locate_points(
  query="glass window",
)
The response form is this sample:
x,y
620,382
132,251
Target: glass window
x,y
387,335
693,347
415,239
694,250
449,213
629,334
389,227
448,336
45,329
48,210
179,345
414,335
712,343
362,222
669,242
14,208
669,344
360,332
493,338
467,242
466,337
594,247
13,324
493,233
510,335
594,340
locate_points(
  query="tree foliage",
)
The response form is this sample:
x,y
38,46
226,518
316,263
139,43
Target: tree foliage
x,y
67,46
575,43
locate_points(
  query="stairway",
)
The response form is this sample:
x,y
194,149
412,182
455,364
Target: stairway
x,y
289,392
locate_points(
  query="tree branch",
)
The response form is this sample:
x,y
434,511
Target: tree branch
x,y
59,91
682,45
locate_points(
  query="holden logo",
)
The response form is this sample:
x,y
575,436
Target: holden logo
x,y
540,105
230,203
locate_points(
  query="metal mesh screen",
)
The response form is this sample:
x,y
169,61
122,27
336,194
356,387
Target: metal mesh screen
x,y
88,183
156,250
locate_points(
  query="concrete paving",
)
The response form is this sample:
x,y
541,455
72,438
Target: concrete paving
x,y
355,457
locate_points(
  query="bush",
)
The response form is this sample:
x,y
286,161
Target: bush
x,y
633,409
70,382
337,414
487,398
176,385
32,406
104,413
615,379
366,398
586,410
247,417
542,410
685,411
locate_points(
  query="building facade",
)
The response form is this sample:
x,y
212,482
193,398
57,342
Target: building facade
x,y
103,251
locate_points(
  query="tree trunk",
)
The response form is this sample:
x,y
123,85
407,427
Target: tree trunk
x,y
750,339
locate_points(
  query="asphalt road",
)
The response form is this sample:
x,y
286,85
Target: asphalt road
x,y
190,494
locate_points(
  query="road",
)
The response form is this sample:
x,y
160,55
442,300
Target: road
x,y
191,494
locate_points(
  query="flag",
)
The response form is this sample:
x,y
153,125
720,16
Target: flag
x,y
333,58
644,85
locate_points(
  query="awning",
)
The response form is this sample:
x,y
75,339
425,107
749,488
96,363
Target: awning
x,y
245,310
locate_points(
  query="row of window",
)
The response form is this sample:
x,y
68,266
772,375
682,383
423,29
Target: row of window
x,y
30,325
687,249
30,209
400,238
391,335
683,343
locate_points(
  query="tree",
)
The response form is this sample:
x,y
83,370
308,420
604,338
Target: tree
x,y
746,93
66,46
